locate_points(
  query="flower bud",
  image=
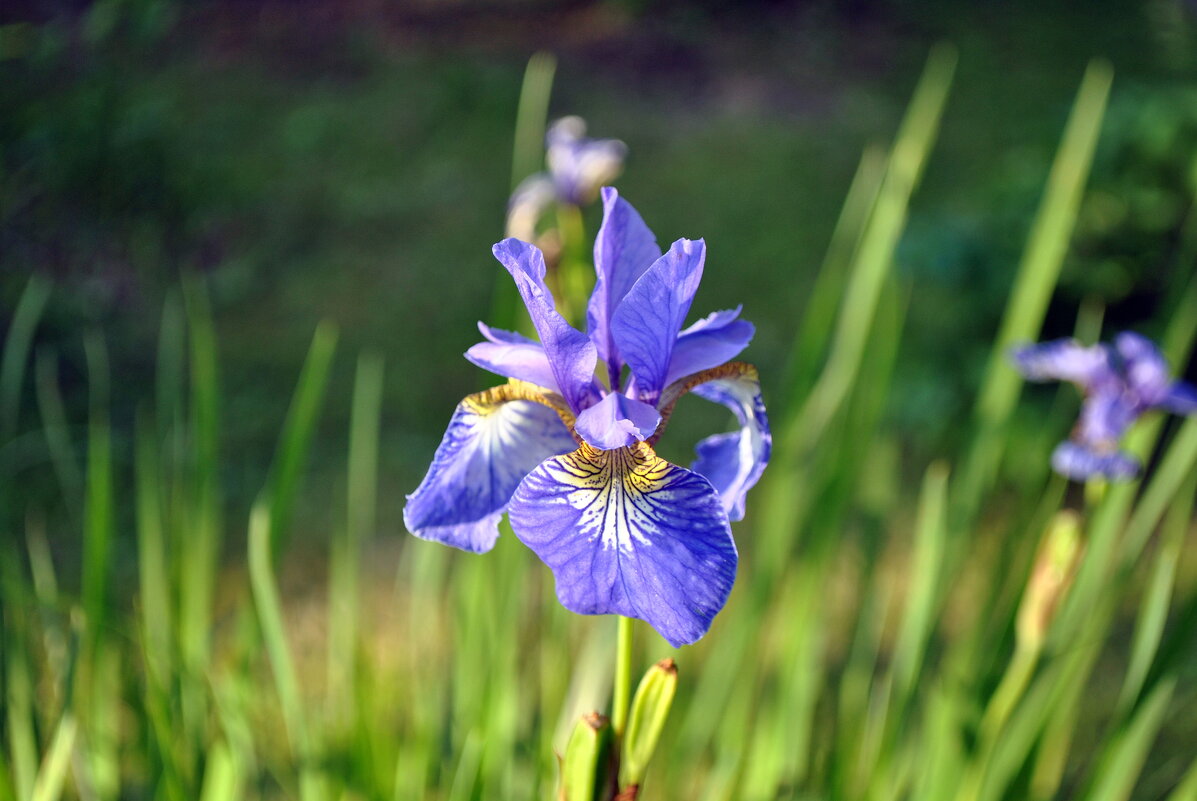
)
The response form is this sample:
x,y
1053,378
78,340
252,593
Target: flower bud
x,y
646,720
1055,565
586,768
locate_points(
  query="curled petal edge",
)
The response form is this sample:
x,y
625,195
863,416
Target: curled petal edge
x,y
732,462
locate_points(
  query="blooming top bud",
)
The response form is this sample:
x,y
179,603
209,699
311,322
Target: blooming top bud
x,y
1120,382
577,167
580,165
569,455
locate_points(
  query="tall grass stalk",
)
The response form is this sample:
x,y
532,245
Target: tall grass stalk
x,y
15,356
1034,282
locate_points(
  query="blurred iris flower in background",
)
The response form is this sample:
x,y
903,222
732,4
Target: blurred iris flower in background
x,y
577,167
570,457
1120,382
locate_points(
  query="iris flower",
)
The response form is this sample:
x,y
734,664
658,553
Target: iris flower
x,y
1120,382
567,449
577,167
578,164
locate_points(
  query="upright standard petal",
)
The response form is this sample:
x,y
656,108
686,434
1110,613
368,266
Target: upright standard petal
x,y
513,355
1064,360
617,421
494,439
570,352
712,341
647,322
623,250
627,533
1145,368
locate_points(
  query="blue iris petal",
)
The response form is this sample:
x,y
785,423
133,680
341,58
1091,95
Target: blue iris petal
x,y
734,462
628,533
1080,462
617,421
623,250
1064,360
570,352
1120,382
487,450
1105,417
647,322
1145,368
1181,398
714,340
513,355
624,531
580,165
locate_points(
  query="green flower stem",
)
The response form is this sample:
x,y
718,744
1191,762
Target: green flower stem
x,y
573,285
623,676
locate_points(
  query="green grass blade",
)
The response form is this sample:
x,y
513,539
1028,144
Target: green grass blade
x,y
818,320
18,694
1186,789
465,777
364,427
41,563
52,775
99,500
56,430
924,579
169,368
101,739
1120,766
527,158
875,253
296,436
1048,693
222,776
16,352
940,740
152,571
528,150
274,636
1051,760
1153,611
197,535
1034,281
344,593
787,492
205,381
1161,489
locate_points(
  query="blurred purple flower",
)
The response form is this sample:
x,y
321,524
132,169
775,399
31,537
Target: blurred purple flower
x,y
580,165
577,167
1120,383
570,457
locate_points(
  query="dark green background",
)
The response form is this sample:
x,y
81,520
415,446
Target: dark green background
x,y
352,162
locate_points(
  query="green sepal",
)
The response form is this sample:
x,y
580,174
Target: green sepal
x,y
646,721
586,768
